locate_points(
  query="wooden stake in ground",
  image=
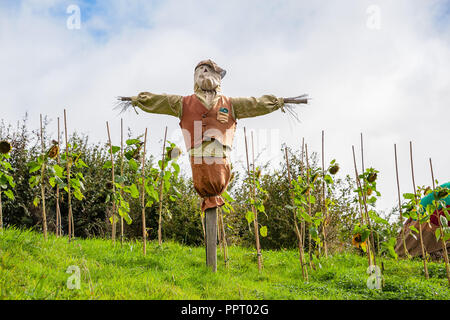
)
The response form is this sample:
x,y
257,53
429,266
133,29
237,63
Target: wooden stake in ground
x,y
365,216
211,238
202,218
424,257
365,200
223,239
255,223
255,213
69,196
324,199
144,229
58,209
302,224
161,185
444,245
297,231
1,214
113,214
308,195
121,175
43,168
400,202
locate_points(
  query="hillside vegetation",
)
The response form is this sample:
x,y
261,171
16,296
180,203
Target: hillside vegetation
x,y
31,268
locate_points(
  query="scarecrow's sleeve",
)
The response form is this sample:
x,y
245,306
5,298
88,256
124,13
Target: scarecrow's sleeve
x,y
253,107
159,103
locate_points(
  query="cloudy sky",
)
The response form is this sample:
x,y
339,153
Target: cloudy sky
x,y
380,68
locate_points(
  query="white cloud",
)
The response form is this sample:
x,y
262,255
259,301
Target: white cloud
x,y
391,84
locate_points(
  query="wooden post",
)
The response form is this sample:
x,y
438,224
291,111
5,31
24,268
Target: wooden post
x,y
1,213
358,184
113,223
44,215
211,238
121,175
69,199
309,207
58,209
223,239
144,228
324,199
161,184
255,213
364,198
302,167
400,202
297,231
424,257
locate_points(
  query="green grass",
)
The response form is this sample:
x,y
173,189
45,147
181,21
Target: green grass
x,y
31,268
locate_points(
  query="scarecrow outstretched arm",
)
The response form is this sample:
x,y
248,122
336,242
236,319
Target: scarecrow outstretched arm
x,y
253,107
159,103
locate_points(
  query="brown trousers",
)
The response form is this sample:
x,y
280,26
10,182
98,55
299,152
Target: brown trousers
x,y
211,177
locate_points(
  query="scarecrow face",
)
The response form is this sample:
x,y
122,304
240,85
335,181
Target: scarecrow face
x,y
206,78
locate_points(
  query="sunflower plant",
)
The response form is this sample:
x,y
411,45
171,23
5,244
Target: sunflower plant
x,y
42,167
414,209
332,169
256,201
438,203
303,197
6,180
72,184
123,186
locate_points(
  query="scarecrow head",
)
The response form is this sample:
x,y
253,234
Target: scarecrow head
x,y
208,75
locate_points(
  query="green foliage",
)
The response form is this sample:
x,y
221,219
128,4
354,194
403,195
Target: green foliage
x,y
34,269
6,180
256,200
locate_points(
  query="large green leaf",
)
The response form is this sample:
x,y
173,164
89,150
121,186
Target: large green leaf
x,y
107,165
33,166
9,194
263,231
133,164
250,216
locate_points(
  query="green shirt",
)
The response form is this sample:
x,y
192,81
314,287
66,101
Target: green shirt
x,y
241,108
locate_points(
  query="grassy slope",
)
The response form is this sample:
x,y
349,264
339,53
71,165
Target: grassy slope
x,y
33,269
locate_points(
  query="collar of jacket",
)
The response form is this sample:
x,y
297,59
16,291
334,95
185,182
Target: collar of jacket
x,y
201,95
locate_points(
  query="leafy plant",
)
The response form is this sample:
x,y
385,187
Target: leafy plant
x,y
6,180
117,192
256,201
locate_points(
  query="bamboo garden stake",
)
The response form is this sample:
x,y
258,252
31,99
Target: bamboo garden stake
x,y
302,224
43,168
144,229
224,239
297,231
365,201
121,175
424,257
69,196
309,207
364,214
444,245
113,214
161,185
400,202
58,209
324,199
255,213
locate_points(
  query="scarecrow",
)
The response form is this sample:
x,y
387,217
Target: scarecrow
x,y
431,245
208,122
